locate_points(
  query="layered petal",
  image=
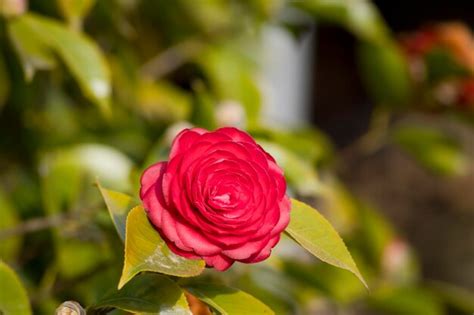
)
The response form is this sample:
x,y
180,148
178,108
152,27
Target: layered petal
x,y
220,197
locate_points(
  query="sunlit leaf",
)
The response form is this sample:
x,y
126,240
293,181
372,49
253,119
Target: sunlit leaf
x,y
162,101
39,36
34,52
385,71
433,149
313,232
13,298
209,15
9,247
145,250
75,10
227,300
147,293
119,205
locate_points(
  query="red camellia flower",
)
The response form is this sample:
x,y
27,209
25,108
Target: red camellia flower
x,y
219,197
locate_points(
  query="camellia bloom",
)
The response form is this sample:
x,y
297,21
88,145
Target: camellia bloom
x,y
219,197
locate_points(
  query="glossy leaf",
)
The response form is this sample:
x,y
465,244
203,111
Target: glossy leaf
x,y
118,204
147,293
13,298
42,35
227,300
145,250
433,149
314,233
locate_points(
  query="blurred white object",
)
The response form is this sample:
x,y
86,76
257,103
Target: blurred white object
x,y
230,113
287,65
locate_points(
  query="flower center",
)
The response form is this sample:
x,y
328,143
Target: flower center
x,y
224,198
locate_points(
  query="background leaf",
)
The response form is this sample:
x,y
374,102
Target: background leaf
x,y
79,53
75,10
147,293
119,205
226,300
312,231
385,72
34,53
301,175
146,251
433,149
361,17
13,298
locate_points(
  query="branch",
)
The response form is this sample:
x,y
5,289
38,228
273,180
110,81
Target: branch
x,y
172,58
36,224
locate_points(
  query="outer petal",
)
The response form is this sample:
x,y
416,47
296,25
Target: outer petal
x,y
151,193
236,134
150,176
184,140
220,262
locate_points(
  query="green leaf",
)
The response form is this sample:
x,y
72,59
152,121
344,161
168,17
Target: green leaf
x,y
384,69
227,300
442,65
40,35
300,174
119,205
77,166
433,149
314,233
203,114
13,297
326,279
9,247
360,17
162,101
34,52
145,250
75,10
401,301
233,77
148,293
